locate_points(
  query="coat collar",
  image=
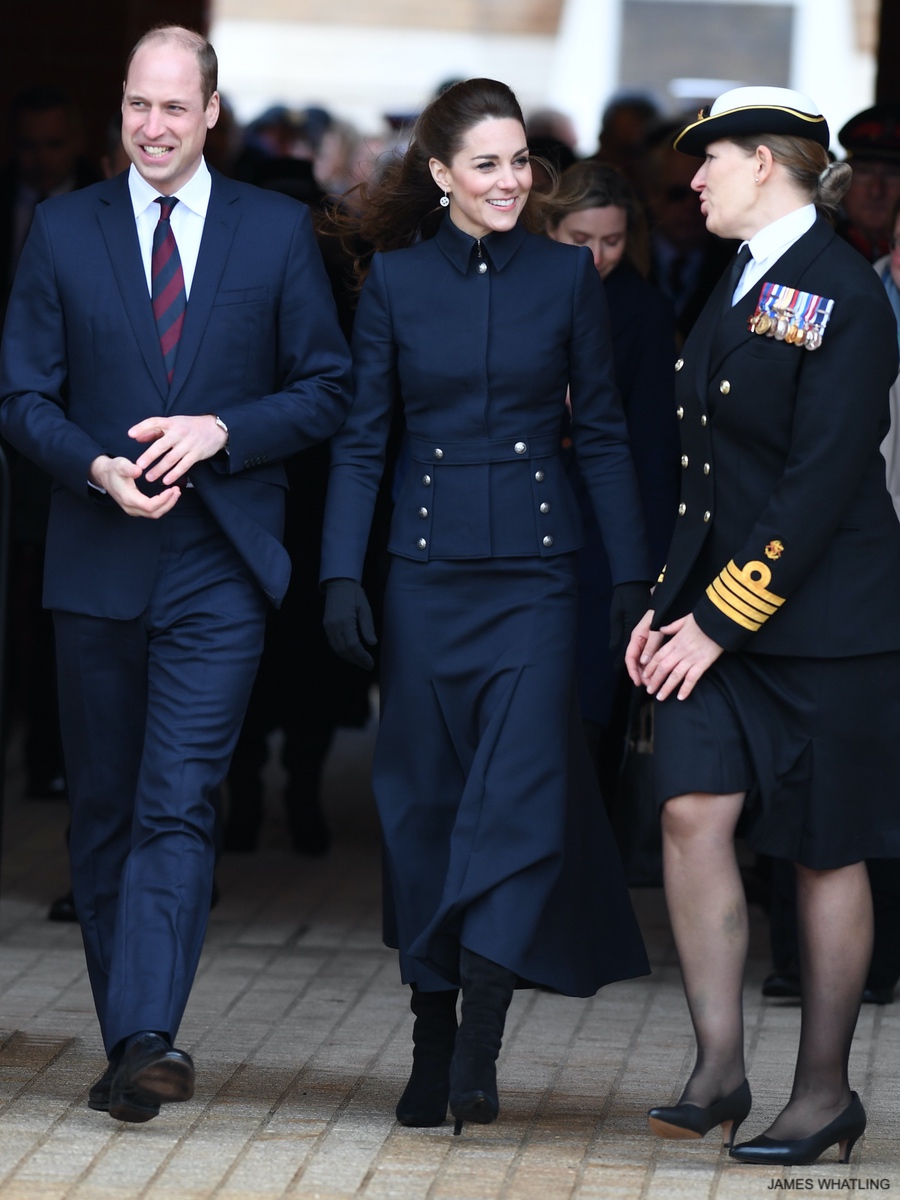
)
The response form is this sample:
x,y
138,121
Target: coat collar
x,y
722,331
116,217
459,246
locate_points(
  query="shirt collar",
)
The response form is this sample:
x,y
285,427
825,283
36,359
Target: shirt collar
x,y
774,239
459,246
193,195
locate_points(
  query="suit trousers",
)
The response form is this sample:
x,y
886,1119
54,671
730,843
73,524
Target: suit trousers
x,y
150,711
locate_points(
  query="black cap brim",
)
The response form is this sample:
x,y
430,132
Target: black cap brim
x,y
749,121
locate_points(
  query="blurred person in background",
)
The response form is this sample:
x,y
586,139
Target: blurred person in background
x,y
595,206
872,141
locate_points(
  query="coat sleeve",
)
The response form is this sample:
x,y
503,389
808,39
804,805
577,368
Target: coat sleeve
x,y
313,366
358,449
839,411
34,369
599,431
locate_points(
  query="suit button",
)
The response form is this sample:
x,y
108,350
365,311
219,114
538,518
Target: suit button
x,y
679,364
724,387
706,468
423,513
421,543
539,476
682,509
548,540
426,479
707,515
684,460
438,454
703,421
520,447
545,507
679,411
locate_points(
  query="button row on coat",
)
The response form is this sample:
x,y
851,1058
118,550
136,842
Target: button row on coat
x,y
682,509
519,447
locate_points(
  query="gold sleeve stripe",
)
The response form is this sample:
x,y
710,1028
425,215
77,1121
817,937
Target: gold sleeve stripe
x,y
742,594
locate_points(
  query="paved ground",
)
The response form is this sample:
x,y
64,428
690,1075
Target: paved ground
x,y
300,1031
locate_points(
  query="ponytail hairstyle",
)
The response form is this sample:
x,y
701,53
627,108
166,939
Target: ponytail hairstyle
x,y
403,206
824,182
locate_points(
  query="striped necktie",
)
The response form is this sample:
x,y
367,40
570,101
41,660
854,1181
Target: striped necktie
x,y
169,296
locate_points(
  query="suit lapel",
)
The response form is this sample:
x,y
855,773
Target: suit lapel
x,y
116,218
789,269
222,219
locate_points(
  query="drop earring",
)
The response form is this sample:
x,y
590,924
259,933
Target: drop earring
x,y
445,200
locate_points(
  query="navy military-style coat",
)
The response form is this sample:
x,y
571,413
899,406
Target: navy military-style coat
x,y
479,341
786,540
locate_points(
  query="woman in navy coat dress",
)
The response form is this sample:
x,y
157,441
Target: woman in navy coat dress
x,y
499,865
773,649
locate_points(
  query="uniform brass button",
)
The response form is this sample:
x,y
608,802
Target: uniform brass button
x,y
682,509
724,387
423,513
421,543
679,364
520,447
706,468
548,540
703,421
684,460
482,267
680,412
545,507
539,476
426,479
707,515
438,453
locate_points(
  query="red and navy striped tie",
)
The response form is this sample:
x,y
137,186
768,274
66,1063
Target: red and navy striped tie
x,y
169,296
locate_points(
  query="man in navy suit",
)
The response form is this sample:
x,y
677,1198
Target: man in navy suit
x,y
165,528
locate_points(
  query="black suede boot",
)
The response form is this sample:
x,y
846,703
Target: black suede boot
x,y
424,1099
487,989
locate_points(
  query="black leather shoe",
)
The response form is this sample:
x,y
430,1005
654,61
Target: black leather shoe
x,y
694,1121
781,986
63,909
150,1073
844,1131
98,1096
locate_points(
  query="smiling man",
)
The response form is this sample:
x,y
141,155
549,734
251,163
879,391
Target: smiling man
x,y
171,337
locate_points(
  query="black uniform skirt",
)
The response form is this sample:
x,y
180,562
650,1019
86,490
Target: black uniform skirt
x,y
815,743
495,835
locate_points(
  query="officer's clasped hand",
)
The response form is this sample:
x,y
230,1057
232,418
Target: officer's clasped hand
x,y
348,621
629,603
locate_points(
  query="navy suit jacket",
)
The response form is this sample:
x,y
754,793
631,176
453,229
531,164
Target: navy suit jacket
x,y
81,364
479,342
787,541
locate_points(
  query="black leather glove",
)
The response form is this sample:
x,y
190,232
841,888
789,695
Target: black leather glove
x,y
629,603
348,621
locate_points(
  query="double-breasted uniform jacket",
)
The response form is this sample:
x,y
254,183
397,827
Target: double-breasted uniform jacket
x,y
479,340
786,541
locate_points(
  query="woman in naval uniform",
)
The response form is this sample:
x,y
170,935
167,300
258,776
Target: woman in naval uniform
x,y
773,649
499,865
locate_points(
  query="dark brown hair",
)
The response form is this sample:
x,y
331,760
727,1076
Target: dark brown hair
x,y
190,40
807,163
403,206
593,184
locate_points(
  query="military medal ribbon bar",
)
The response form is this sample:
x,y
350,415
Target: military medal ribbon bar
x,y
789,315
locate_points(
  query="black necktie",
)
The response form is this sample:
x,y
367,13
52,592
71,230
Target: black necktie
x,y
741,259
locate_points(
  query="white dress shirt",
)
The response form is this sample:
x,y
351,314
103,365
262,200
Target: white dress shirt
x,y
187,218
768,245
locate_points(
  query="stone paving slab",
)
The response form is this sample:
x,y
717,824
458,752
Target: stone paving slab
x,y
301,1035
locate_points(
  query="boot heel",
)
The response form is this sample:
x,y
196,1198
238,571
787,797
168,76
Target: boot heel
x,y
458,1126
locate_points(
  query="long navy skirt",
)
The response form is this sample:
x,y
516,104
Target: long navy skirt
x,y
494,831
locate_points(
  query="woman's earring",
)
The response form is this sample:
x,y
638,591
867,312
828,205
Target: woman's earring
x,y
445,200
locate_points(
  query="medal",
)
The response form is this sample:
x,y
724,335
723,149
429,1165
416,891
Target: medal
x,y
791,316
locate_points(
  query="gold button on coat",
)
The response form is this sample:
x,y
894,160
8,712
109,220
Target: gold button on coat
x,y
724,387
707,515
684,460
706,468
703,421
682,509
